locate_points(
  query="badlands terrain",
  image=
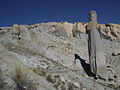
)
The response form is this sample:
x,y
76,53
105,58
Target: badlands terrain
x,y
42,57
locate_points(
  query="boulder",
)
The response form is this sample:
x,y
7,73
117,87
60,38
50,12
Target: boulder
x,y
61,29
68,28
16,29
77,29
76,84
116,52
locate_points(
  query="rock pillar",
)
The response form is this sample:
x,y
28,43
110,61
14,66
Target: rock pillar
x,y
93,17
96,53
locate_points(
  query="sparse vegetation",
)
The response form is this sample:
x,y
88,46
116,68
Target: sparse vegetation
x,y
56,86
39,71
113,86
50,79
63,87
71,86
31,47
2,83
22,81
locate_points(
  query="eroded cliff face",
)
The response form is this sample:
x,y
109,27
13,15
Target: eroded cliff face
x,y
111,31
41,57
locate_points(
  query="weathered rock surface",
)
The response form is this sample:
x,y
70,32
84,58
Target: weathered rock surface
x,y
92,17
95,46
41,57
116,52
111,31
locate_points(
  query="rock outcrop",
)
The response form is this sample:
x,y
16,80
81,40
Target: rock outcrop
x,y
111,31
96,53
41,56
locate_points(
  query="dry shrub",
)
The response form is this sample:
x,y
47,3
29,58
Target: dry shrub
x,y
71,86
22,81
50,79
39,71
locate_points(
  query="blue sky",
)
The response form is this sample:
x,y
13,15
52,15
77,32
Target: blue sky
x,y
36,11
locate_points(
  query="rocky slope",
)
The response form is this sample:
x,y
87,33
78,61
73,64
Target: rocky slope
x,y
41,57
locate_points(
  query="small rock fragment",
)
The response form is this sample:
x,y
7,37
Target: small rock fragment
x,y
76,84
116,52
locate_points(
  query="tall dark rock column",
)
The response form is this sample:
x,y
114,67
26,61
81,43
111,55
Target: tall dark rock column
x,y
96,53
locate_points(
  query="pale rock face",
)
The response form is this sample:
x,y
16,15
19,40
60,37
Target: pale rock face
x,y
16,29
103,30
115,30
38,48
10,84
92,26
80,27
66,27
111,31
106,31
118,82
77,29
116,52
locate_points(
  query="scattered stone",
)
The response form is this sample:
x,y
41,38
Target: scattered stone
x,y
84,89
50,79
68,80
76,84
118,83
9,83
116,52
63,87
71,86
56,86
62,79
